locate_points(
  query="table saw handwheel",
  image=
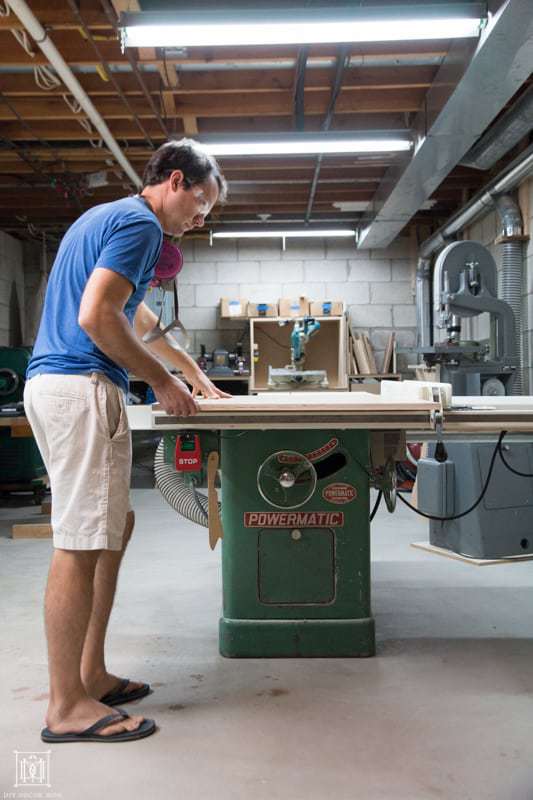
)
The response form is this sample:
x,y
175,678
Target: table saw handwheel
x,y
286,479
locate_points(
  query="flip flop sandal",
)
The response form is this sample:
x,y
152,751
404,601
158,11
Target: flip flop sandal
x,y
118,696
146,728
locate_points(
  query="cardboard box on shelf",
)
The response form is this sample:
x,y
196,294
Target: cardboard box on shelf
x,y
262,309
326,308
233,307
293,307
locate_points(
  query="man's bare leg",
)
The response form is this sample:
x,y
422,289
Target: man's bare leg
x,y
95,677
68,603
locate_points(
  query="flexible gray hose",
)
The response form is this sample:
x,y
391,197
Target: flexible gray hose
x,y
510,275
184,499
510,290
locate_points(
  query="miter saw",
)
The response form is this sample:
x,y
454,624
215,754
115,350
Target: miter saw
x,y
294,376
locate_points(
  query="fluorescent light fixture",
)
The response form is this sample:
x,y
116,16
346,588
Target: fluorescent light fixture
x,y
310,146
351,205
288,234
300,26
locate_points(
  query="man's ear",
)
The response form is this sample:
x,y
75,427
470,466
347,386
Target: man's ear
x,y
175,179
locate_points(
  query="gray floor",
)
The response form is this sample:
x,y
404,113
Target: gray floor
x,y
444,711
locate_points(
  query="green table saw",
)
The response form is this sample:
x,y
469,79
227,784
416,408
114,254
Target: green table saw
x,y
295,477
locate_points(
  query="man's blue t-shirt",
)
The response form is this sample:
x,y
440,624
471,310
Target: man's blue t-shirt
x,y
124,236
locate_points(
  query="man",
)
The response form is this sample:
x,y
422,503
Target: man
x,y
74,400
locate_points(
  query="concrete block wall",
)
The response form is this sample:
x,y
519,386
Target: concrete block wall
x,y
377,286
12,294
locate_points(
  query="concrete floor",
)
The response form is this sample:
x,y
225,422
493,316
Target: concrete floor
x,y
443,711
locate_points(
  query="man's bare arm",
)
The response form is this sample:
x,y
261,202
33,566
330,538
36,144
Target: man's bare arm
x,y
166,346
168,349
102,317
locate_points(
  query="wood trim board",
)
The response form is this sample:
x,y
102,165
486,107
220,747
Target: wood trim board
x,y
477,562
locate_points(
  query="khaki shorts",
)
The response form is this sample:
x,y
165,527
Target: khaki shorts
x,y
81,428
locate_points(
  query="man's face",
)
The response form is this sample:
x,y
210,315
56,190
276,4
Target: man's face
x,y
187,208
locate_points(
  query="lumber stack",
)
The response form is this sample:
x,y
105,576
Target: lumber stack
x,y
361,357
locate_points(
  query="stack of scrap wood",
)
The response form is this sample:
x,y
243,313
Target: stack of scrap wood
x,y
361,358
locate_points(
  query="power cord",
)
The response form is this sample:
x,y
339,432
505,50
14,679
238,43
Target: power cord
x,y
376,505
474,505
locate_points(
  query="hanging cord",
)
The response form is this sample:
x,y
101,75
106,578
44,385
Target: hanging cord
x,y
45,77
495,452
72,103
474,505
376,505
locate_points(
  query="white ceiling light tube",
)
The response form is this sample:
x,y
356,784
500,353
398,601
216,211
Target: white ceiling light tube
x,y
285,234
301,26
311,146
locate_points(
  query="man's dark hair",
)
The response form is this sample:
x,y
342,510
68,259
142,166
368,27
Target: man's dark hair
x,y
189,157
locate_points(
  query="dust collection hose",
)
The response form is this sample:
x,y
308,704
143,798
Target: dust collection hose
x,y
182,497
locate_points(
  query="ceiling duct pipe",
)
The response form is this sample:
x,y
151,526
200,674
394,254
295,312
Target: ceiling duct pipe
x,y
503,135
511,239
483,202
38,33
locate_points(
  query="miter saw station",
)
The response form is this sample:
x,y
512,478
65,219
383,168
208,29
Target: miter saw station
x,y
465,286
294,376
296,471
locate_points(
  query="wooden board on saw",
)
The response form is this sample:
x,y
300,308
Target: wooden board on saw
x,y
310,402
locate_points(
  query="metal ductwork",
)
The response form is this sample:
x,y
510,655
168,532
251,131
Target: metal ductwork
x,y
503,135
510,274
484,201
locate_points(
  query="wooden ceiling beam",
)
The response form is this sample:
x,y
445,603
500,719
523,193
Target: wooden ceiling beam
x,y
76,50
282,123
234,166
57,16
71,130
231,82
16,166
217,105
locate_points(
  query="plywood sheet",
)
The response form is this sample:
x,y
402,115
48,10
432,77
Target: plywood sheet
x,y
311,402
477,562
